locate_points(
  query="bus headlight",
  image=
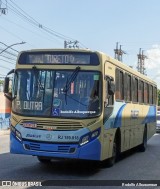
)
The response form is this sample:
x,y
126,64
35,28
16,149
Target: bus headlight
x,y
18,136
91,136
16,133
95,134
84,140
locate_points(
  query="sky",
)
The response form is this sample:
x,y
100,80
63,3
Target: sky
x,y
96,24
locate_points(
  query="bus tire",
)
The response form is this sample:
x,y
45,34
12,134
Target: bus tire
x,y
115,152
43,160
143,146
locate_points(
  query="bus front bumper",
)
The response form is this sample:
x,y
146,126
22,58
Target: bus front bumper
x,y
89,151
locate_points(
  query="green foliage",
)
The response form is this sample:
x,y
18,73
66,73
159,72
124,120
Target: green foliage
x,y
1,82
158,97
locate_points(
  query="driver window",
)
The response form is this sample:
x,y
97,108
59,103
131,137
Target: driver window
x,y
109,98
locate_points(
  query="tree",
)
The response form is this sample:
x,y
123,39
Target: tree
x,y
158,97
1,82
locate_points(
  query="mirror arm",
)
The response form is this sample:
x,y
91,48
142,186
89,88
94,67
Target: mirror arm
x,y
8,97
10,72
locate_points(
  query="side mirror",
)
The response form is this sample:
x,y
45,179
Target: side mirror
x,y
6,85
6,89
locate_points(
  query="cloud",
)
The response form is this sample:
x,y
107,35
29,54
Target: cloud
x,y
153,58
152,63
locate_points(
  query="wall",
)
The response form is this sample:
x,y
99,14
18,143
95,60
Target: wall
x,y
5,111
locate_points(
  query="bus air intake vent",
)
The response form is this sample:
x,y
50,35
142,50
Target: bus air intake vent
x,y
52,125
33,146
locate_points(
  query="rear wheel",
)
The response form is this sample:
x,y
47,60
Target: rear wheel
x,y
143,146
43,159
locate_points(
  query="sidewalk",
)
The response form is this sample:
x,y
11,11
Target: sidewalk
x,y
5,132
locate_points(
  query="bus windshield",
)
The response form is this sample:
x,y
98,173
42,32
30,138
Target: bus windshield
x,y
43,93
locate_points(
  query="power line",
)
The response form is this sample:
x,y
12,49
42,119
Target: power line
x,y
10,47
7,57
7,61
11,33
36,25
26,17
33,32
5,67
9,53
16,36
2,75
20,14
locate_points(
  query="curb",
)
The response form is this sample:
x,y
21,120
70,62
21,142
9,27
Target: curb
x,y
5,132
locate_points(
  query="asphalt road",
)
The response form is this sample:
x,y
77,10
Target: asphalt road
x,y
134,165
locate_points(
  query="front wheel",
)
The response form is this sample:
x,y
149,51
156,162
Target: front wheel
x,y
115,155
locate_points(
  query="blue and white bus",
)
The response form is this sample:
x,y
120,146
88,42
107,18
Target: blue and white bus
x,y
79,104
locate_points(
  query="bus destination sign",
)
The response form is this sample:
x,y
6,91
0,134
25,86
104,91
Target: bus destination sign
x,y
58,58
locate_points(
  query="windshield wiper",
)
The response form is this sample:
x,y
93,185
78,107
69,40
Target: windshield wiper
x,y
35,70
69,81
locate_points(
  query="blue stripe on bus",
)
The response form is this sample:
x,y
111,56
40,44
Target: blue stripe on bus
x,y
90,151
114,120
151,115
118,119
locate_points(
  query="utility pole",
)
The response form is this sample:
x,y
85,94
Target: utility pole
x,y
71,44
141,62
119,52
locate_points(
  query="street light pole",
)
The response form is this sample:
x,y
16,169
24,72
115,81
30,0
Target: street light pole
x,y
11,46
7,46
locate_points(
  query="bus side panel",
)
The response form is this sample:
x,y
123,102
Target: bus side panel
x,y
150,120
110,126
107,143
131,119
127,127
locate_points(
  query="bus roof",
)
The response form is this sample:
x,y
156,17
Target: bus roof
x,y
127,68
104,56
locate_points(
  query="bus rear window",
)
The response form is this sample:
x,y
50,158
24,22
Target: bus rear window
x,y
53,57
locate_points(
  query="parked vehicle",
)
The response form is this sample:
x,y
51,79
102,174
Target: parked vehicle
x,y
158,122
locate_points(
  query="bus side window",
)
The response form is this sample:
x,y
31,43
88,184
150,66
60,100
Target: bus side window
x,y
110,90
109,98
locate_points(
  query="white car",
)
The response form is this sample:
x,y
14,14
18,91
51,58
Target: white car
x,y
158,122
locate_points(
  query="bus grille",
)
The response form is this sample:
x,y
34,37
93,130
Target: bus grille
x,y
49,147
54,125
